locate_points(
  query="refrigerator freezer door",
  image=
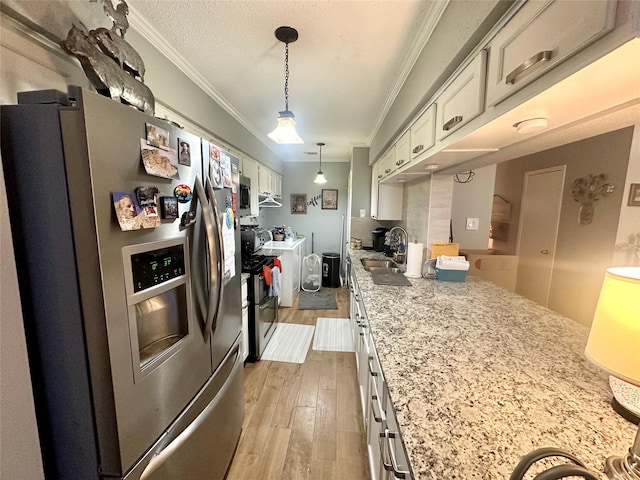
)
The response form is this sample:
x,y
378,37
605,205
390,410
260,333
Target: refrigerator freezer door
x,y
205,449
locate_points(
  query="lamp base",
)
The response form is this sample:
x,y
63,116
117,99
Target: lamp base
x,y
625,413
626,399
617,468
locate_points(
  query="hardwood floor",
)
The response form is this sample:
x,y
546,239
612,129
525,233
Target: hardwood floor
x,y
303,421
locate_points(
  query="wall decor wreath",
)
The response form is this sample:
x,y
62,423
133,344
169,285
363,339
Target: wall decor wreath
x,y
585,191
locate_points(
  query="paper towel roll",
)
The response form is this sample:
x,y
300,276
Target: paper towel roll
x,y
414,260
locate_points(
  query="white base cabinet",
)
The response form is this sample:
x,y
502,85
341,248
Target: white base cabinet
x,y
387,457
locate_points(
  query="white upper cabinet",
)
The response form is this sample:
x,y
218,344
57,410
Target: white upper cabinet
x,y
423,132
265,187
463,99
540,35
387,162
403,150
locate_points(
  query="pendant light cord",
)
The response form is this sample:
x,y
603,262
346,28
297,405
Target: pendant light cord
x,y
286,76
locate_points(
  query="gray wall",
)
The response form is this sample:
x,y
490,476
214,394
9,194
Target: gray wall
x,y
361,182
583,252
324,224
463,24
473,200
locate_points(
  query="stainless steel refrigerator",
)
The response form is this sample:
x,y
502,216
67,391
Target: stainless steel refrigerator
x,y
132,320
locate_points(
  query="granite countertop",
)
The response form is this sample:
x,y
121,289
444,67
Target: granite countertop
x,y
480,376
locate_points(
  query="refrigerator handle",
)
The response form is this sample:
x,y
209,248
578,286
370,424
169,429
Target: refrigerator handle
x,y
209,230
220,250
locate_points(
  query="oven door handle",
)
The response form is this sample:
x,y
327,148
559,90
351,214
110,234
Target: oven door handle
x,y
265,303
218,277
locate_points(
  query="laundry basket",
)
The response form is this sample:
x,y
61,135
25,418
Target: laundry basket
x,y
311,273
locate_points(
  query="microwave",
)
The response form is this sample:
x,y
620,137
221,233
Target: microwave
x,y
244,204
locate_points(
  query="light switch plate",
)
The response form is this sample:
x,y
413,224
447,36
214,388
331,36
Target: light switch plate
x,y
472,223
362,212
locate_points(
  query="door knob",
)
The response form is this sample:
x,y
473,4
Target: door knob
x,y
544,252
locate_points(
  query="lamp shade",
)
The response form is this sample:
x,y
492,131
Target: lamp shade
x,y
285,131
320,178
614,339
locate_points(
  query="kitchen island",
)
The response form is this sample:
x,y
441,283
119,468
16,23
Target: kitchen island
x,y
479,376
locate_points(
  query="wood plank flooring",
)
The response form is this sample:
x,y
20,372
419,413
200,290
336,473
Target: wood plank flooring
x,y
303,421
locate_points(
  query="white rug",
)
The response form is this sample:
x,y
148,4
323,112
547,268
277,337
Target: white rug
x,y
290,343
333,335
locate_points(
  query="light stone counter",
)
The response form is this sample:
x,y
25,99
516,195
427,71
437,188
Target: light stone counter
x,y
480,376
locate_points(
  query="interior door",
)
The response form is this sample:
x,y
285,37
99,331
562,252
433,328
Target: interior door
x,y
541,200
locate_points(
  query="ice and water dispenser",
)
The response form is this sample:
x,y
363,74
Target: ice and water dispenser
x,y
158,301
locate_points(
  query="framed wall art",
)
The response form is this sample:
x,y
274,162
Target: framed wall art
x,y
329,199
634,195
298,203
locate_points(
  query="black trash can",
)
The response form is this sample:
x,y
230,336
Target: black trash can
x,y
378,238
331,270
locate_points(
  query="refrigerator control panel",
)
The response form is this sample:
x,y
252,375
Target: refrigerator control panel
x,y
154,267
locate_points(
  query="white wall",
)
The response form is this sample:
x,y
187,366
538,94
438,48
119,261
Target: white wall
x,y
19,445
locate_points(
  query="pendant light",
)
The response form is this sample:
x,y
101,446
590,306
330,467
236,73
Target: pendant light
x,y
285,132
320,178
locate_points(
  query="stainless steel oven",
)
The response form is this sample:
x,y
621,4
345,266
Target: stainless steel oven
x,y
263,308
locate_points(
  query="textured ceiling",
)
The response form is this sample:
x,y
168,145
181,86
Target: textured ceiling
x,y
346,67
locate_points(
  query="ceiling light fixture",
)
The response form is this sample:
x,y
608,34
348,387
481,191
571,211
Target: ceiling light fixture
x,y
320,178
285,132
531,125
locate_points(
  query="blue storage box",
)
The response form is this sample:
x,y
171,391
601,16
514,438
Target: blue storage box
x,y
451,275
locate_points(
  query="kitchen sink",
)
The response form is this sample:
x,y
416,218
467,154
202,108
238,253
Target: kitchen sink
x,y
372,262
384,269
381,266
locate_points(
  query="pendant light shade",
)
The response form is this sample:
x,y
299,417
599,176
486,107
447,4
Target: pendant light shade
x,y
320,178
285,131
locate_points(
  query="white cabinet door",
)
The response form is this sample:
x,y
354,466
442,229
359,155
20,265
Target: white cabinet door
x,y
276,180
423,132
375,178
541,35
463,99
390,200
264,181
388,162
403,150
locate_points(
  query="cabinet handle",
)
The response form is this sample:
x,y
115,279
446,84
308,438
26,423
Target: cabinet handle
x,y
544,252
381,442
394,461
419,148
377,417
399,162
539,57
387,170
379,176
451,123
371,371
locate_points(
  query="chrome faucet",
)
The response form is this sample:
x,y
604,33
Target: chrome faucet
x,y
400,257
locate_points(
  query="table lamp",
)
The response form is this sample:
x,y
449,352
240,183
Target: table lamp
x,y
614,345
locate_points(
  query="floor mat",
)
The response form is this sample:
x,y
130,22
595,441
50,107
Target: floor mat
x,y
333,335
290,343
322,300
